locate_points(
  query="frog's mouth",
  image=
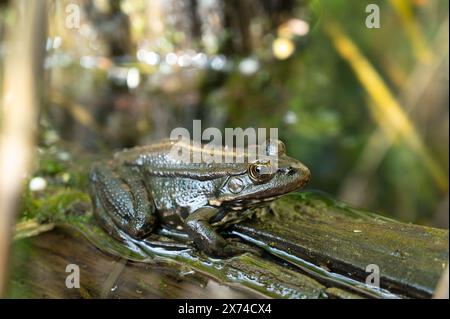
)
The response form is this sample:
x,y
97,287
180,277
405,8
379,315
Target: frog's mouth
x,y
248,203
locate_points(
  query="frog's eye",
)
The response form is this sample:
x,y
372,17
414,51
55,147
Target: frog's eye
x,y
260,172
275,147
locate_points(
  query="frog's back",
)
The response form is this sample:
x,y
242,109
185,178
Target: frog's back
x,y
156,148
161,159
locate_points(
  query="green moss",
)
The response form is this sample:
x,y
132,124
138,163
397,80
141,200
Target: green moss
x,y
56,205
64,197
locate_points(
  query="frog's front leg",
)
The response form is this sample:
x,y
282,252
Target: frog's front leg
x,y
121,201
205,236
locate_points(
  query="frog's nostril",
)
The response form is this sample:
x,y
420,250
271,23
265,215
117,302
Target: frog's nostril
x,y
290,171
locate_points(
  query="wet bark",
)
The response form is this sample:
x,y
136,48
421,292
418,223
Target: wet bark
x,y
307,246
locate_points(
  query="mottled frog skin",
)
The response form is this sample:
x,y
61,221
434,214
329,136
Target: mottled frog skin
x,y
147,186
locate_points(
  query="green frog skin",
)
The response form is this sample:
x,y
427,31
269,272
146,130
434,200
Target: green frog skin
x,y
147,186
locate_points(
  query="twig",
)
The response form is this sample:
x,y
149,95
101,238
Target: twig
x,y
387,105
19,107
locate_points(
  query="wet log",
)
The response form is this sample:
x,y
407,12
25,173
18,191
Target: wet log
x,y
350,242
306,245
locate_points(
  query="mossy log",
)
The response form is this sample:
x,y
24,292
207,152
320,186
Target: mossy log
x,y
306,245
333,236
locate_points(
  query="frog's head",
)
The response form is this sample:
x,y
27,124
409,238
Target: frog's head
x,y
271,175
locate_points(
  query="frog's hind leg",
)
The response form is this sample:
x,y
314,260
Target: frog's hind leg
x,y
121,202
105,220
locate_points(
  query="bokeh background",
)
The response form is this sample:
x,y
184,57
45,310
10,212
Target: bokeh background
x,y
365,108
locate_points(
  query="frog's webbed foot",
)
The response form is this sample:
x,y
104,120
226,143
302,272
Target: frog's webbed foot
x,y
207,239
121,202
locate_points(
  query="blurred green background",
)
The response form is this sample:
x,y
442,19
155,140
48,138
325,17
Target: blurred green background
x,y
365,108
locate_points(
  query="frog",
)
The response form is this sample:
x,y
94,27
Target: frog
x,y
145,187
